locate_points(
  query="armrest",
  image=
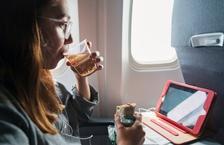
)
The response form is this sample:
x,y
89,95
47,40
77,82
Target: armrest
x,y
96,127
97,122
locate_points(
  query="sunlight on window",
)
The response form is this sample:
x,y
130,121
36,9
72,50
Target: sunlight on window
x,y
151,31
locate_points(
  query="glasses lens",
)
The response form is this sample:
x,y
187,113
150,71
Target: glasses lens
x,y
68,30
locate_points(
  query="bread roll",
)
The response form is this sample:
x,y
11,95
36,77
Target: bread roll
x,y
126,109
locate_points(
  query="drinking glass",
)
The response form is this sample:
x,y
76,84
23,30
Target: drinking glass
x,y
80,58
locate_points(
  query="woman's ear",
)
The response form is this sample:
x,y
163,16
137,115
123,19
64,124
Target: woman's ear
x,y
43,42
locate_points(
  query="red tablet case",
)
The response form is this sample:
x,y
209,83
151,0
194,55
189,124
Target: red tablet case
x,y
171,130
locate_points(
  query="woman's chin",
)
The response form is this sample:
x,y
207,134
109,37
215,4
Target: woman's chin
x,y
54,62
52,65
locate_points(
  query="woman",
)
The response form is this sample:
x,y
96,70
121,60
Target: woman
x,y
33,37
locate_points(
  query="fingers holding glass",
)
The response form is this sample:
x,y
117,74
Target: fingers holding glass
x,y
89,43
97,59
82,60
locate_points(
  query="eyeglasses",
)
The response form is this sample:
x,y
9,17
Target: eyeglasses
x,y
66,27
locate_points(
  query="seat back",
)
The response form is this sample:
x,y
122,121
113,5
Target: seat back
x,y
202,66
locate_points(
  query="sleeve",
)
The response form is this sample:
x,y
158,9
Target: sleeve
x,y
17,128
12,135
77,108
83,104
80,105
12,124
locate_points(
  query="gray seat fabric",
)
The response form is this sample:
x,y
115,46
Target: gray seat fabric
x,y
204,66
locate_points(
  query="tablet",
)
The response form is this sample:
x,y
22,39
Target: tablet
x,y
181,111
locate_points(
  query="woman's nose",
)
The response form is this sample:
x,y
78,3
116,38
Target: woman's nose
x,y
69,40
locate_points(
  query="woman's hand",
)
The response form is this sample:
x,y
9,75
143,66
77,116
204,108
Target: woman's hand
x,y
82,83
133,135
95,57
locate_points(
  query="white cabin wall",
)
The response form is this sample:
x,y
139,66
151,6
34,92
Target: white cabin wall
x,y
87,27
142,86
94,23
117,83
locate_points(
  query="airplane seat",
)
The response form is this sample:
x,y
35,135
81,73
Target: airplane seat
x,y
202,63
98,129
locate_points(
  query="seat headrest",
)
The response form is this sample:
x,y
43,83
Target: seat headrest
x,y
192,17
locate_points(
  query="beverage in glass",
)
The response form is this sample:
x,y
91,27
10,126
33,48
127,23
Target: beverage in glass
x,y
80,58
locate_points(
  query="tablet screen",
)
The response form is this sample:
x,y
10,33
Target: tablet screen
x,y
183,105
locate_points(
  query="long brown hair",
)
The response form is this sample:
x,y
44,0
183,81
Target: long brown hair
x,y
21,63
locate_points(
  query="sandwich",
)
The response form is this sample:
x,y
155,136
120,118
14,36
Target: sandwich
x,y
126,113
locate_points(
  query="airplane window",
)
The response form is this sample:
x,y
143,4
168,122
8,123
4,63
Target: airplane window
x,y
151,32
